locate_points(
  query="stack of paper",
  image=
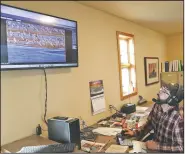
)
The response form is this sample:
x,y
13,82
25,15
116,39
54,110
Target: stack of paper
x,y
107,131
141,109
117,149
89,146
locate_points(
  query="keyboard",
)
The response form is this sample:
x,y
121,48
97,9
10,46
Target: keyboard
x,y
52,148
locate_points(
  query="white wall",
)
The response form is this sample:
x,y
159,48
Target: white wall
x,y
175,47
22,98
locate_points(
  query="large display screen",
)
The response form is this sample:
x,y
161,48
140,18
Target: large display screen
x,y
35,40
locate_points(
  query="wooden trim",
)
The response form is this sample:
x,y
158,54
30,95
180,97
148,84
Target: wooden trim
x,y
126,39
123,33
120,66
129,95
135,64
127,66
145,69
136,78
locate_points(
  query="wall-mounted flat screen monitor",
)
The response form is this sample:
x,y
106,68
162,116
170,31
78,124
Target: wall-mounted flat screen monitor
x,y
36,40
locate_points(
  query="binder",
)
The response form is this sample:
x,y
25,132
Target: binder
x,y
163,67
166,66
176,65
170,66
173,65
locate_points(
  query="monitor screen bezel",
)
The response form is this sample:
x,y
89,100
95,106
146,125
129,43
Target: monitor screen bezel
x,y
42,67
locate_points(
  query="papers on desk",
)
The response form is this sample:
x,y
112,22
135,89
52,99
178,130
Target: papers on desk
x,y
138,147
107,131
142,122
5,151
117,149
89,146
141,109
141,115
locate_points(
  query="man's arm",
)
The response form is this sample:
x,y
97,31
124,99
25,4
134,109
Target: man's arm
x,y
147,127
178,140
167,148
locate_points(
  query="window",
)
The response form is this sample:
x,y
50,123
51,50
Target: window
x,y
127,69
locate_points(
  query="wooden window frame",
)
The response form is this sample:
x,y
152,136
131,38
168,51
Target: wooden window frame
x,y
123,97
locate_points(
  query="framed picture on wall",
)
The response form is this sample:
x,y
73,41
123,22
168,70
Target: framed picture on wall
x,y
151,65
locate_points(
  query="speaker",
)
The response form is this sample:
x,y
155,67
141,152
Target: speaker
x,y
64,130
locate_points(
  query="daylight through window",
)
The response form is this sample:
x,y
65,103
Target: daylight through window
x,y
127,68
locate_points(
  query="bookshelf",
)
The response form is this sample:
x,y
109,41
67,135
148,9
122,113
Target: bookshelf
x,y
172,66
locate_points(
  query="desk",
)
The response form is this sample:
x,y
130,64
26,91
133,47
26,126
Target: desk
x,y
35,140
148,104
32,140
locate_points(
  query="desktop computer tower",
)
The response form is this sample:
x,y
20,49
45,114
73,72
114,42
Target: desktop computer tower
x,y
64,130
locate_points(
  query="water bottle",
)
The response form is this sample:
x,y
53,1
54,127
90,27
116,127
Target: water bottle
x,y
38,130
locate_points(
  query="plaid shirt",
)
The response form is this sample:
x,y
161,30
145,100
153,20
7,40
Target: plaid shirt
x,y
168,129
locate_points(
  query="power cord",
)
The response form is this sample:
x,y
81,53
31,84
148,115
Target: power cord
x,y
46,96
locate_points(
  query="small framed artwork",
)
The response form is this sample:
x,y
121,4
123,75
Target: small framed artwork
x,y
151,65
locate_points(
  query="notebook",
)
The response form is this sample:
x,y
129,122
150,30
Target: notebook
x,y
117,149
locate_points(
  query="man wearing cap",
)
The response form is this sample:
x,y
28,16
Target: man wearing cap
x,y
165,120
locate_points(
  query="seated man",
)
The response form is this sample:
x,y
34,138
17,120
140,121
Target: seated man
x,y
166,121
